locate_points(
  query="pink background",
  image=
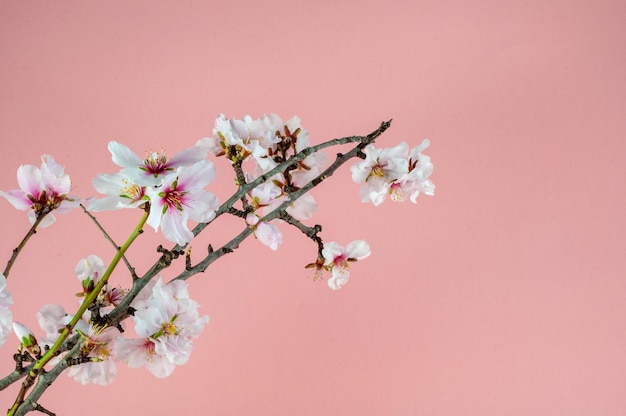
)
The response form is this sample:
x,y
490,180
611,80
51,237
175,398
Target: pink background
x,y
502,295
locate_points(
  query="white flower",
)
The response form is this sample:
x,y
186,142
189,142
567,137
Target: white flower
x,y
265,232
90,268
151,170
6,316
51,319
120,191
240,138
337,259
417,180
379,170
6,299
6,319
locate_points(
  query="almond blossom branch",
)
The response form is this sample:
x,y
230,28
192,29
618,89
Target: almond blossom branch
x,y
171,191
122,311
362,140
38,367
276,213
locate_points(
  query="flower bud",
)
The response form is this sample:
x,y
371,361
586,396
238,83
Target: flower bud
x,y
27,338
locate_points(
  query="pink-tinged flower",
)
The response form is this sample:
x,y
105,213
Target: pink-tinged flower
x,y
265,232
379,170
6,316
337,259
180,198
98,344
167,323
312,165
240,138
266,194
142,353
111,297
151,170
42,190
302,208
51,319
89,271
120,191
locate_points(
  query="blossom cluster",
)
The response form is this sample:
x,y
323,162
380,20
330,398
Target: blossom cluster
x,y
166,322
394,171
172,192
172,187
263,144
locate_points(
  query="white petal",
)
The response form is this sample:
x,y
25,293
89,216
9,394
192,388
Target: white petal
x,y
123,156
174,228
358,249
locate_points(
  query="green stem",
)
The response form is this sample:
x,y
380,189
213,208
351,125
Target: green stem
x,y
67,330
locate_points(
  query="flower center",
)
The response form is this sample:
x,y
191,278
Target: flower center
x,y
156,163
169,328
397,193
131,190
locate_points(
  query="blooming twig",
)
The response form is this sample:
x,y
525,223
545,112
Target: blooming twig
x,y
171,192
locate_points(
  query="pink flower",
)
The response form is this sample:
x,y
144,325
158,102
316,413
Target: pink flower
x,y
42,190
167,322
337,260
99,345
51,318
265,232
182,197
89,270
142,353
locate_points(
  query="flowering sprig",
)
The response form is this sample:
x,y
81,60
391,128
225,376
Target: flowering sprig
x,y
275,168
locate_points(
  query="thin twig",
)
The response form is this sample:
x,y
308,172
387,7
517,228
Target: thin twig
x,y
131,269
17,250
